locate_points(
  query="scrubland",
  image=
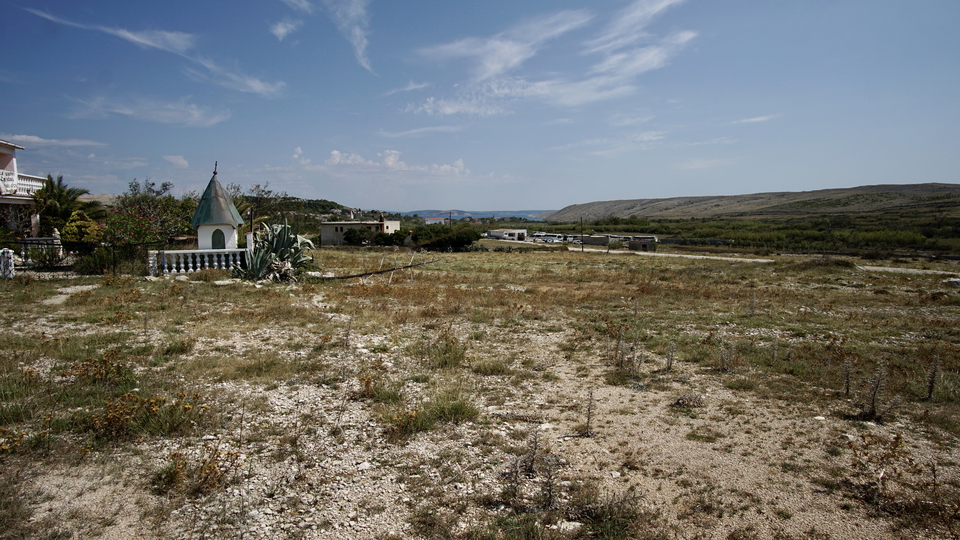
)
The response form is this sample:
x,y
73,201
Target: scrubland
x,y
487,395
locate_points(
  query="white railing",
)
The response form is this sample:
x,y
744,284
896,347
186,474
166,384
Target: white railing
x,y
183,261
22,185
28,184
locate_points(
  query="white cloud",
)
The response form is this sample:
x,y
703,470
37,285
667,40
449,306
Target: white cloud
x,y
300,5
390,162
175,42
408,88
351,19
421,131
636,61
476,105
235,80
298,156
756,119
338,158
629,26
34,141
283,29
176,112
505,51
614,75
179,162
178,43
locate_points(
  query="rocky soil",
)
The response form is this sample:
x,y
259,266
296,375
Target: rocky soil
x,y
709,454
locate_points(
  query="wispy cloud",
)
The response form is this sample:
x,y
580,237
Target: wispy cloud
x,y
420,131
469,105
34,141
696,164
175,42
505,51
179,162
283,29
176,112
629,26
622,120
411,86
390,161
300,5
234,79
613,146
718,140
118,162
756,119
626,51
351,19
179,43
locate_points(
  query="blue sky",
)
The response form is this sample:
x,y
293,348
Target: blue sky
x,y
492,105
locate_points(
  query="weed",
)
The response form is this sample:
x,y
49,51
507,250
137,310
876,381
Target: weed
x,y
688,401
131,414
491,367
932,375
445,351
872,395
448,406
213,469
107,370
179,347
615,515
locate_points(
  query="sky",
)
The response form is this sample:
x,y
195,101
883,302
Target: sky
x,y
493,105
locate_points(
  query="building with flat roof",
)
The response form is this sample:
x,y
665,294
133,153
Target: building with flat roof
x,y
331,232
508,234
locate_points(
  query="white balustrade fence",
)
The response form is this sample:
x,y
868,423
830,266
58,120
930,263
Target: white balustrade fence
x,y
185,261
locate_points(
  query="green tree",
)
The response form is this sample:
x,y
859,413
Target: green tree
x,y
80,228
55,202
358,236
444,237
168,215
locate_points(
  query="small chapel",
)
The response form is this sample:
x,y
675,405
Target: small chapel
x,y
216,219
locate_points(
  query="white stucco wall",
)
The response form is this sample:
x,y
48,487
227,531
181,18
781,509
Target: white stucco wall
x,y
205,236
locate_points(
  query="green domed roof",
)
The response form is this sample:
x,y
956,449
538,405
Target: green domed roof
x,y
216,207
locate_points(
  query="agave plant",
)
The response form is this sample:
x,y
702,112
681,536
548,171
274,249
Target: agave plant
x,y
278,252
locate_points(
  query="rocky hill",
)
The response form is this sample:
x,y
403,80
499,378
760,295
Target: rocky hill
x,y
942,198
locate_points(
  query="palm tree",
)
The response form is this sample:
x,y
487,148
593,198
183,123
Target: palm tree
x,y
55,202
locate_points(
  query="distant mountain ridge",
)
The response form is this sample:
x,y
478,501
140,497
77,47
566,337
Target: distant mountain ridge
x,y
460,214
943,198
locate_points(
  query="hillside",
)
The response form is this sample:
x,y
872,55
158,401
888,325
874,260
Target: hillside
x,y
942,198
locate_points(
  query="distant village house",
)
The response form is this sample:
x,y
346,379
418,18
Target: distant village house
x,y
331,233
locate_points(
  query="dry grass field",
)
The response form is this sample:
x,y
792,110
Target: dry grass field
x,y
487,396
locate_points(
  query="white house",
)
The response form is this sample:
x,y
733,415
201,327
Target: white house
x,y
331,232
16,190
